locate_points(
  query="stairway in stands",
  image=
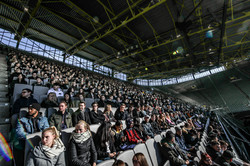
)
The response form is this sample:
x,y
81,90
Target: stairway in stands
x,y
4,104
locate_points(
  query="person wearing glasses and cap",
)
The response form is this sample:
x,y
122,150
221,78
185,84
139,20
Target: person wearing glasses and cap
x,y
32,122
25,100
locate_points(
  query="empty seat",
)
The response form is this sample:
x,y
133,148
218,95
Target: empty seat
x,y
89,101
31,141
141,148
126,156
107,162
41,90
154,151
94,127
158,138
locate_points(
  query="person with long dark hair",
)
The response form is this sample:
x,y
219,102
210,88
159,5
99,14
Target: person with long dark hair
x,y
104,143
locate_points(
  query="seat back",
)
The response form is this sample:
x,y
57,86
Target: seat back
x,y
41,98
41,90
94,127
31,141
89,101
126,156
32,81
141,148
154,151
23,112
107,162
163,134
158,138
50,111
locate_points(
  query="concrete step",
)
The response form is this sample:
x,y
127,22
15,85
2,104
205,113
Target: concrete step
x,y
3,81
4,99
4,111
3,94
5,130
4,87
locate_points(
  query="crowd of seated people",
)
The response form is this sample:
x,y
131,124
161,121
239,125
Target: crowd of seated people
x,y
147,115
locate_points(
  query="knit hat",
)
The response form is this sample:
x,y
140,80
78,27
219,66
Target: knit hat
x,y
36,106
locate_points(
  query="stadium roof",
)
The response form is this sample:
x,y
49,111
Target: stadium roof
x,y
144,38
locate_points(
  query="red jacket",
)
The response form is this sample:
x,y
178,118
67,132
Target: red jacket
x,y
132,136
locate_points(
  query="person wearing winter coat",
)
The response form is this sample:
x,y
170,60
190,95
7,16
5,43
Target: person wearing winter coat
x,y
49,152
61,119
104,143
172,152
82,148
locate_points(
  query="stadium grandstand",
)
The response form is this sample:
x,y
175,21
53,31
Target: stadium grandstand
x,y
123,82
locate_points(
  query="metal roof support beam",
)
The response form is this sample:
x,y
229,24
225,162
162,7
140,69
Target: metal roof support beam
x,y
182,58
89,17
189,34
223,29
104,25
109,31
22,28
50,37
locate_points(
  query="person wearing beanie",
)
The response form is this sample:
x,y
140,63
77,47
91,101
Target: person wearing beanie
x,y
172,152
33,122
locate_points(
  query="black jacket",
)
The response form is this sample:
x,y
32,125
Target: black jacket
x,y
102,150
213,153
120,115
96,117
172,153
23,102
77,116
82,154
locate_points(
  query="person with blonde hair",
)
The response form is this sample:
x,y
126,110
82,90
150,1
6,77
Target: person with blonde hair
x,y
82,148
139,160
49,152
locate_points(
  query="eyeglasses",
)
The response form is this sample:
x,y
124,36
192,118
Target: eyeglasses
x,y
24,92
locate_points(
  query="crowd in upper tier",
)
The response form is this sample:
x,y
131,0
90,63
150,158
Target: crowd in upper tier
x,y
146,114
